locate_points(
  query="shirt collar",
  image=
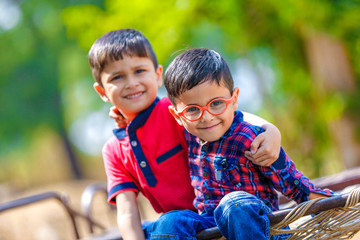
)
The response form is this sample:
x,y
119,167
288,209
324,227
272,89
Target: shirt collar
x,y
136,123
238,118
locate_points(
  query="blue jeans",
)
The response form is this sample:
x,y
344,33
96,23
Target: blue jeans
x,y
179,225
239,215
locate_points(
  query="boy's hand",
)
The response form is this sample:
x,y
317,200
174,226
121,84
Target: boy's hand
x,y
265,148
314,195
120,121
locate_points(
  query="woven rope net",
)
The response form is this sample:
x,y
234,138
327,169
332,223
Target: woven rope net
x,y
338,223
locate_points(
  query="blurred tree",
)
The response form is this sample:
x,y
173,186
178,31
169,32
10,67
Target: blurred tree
x,y
31,76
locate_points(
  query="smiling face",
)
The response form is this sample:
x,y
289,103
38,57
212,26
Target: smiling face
x,y
130,84
209,127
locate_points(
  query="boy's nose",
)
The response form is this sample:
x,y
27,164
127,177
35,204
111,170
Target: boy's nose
x,y
132,82
206,116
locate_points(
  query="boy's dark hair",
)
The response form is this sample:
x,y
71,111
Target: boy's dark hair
x,y
195,67
114,45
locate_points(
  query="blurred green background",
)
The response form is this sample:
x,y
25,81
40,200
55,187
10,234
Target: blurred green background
x,y
296,62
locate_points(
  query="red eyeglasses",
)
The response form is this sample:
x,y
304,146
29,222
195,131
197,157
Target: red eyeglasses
x,y
216,106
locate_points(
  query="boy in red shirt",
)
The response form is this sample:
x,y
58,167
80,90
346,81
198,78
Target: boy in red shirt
x,y
150,154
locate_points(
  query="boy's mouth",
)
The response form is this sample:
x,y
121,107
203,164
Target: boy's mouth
x,y
209,127
134,95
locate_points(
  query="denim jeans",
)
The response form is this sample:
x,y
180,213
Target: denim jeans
x,y
179,225
239,215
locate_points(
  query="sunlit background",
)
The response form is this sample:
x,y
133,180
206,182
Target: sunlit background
x,y
297,64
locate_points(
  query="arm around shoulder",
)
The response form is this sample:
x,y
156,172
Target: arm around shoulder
x,y
128,216
265,148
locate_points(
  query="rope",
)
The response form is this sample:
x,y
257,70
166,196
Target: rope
x,y
339,223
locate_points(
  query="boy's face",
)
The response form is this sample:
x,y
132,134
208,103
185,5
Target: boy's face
x,y
209,127
130,84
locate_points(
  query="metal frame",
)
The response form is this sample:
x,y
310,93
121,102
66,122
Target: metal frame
x,y
61,198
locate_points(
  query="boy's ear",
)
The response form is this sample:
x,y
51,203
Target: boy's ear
x,y
175,115
159,75
236,96
100,90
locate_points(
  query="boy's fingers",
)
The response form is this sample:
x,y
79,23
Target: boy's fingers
x,y
113,108
256,143
115,114
120,121
262,157
262,161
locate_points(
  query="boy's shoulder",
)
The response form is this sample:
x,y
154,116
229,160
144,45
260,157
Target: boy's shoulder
x,y
160,111
118,139
157,118
164,102
160,119
240,126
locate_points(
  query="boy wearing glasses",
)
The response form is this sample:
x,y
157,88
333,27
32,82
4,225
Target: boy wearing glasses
x,y
230,191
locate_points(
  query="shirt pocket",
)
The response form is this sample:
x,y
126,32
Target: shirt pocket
x,y
226,171
167,155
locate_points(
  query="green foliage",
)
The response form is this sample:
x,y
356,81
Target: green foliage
x,y
33,73
45,78
237,29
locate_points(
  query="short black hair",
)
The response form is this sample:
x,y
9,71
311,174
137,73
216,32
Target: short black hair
x,y
194,67
113,45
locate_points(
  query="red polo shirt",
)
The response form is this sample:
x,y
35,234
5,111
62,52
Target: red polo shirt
x,y
150,156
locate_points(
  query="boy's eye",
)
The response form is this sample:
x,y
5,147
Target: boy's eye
x,y
116,77
140,71
217,104
192,110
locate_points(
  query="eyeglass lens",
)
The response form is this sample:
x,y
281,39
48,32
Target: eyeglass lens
x,y
216,106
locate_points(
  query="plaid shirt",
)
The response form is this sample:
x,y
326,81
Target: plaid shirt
x,y
220,167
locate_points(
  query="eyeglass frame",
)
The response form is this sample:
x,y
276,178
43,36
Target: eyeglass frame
x,y
206,107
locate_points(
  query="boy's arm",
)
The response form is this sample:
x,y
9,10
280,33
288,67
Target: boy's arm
x,y
291,182
128,216
314,195
265,148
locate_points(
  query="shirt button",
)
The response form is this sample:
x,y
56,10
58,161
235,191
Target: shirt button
x,y
142,164
205,174
296,182
257,128
205,148
224,164
207,197
134,143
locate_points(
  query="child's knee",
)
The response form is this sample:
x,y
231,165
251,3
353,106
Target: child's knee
x,y
236,199
239,202
170,217
177,224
